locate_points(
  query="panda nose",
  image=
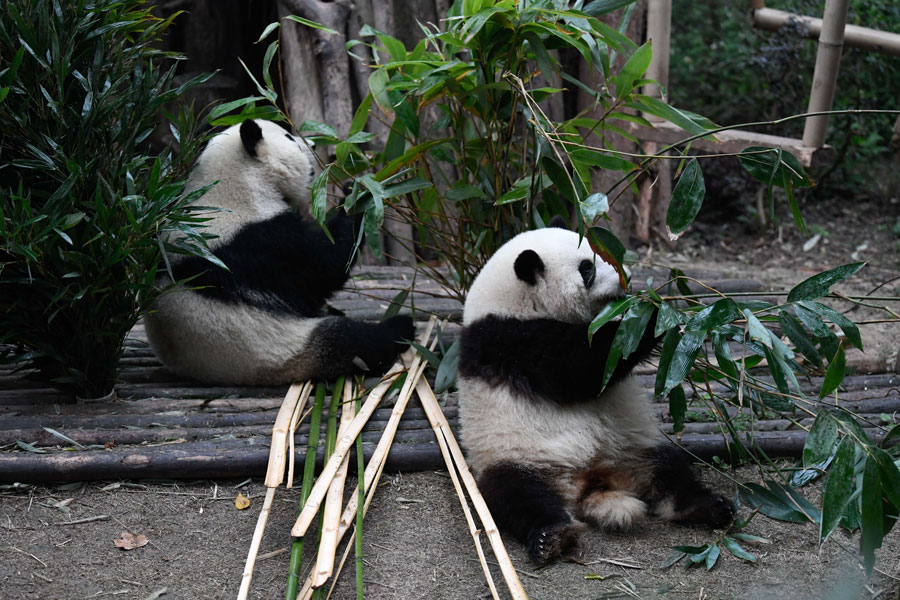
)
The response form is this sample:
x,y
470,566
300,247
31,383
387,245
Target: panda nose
x,y
588,272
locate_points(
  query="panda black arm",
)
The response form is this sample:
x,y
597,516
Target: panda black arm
x,y
284,264
544,357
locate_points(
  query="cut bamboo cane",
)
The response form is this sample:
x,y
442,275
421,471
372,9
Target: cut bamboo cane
x,y
439,423
332,512
278,450
254,545
343,447
295,421
378,459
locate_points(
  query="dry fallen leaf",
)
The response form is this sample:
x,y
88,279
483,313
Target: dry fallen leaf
x,y
241,502
129,541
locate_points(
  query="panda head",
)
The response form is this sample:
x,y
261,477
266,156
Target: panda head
x,y
266,159
547,273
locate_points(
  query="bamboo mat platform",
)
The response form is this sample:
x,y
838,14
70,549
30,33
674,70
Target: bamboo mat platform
x,y
163,427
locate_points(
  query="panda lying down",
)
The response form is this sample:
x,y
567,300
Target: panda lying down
x,y
260,322
551,451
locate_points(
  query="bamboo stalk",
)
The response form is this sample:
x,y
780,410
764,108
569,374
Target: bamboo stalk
x,y
254,544
864,38
275,470
317,494
378,459
439,423
295,421
332,512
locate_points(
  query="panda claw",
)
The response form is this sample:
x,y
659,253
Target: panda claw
x,y
553,542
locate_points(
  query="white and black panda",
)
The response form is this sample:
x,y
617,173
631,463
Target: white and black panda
x,y
551,450
260,322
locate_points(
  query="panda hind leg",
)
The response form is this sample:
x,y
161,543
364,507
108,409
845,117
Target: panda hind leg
x,y
678,495
525,505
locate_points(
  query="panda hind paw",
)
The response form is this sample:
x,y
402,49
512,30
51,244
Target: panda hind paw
x,y
712,510
554,541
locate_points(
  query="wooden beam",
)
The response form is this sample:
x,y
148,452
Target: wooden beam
x,y
855,36
733,141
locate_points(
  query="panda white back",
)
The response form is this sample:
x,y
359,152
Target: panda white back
x,y
260,321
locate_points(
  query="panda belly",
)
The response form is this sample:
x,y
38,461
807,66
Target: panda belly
x,y
498,426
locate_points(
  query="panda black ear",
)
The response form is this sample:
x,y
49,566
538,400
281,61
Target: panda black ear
x,y
528,266
558,221
251,134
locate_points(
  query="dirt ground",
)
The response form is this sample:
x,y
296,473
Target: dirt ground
x,y
57,542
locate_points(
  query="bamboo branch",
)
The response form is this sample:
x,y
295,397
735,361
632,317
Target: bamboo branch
x,y
275,470
442,428
257,539
331,515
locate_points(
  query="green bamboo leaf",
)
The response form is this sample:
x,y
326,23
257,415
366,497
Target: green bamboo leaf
x,y
372,220
871,515
600,160
608,313
732,546
893,434
770,504
715,315
675,556
677,408
396,304
316,128
378,86
890,476
751,539
30,448
683,358
847,326
666,319
821,440
687,198
269,29
602,7
756,330
773,166
835,373
793,329
594,205
628,336
633,69
670,342
407,186
311,24
446,373
712,555
267,63
361,116
319,196
610,249
818,285
682,118
838,488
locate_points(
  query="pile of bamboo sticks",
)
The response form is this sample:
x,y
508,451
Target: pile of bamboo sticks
x,y
328,489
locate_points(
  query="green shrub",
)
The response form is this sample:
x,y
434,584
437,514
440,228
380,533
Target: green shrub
x,y
84,201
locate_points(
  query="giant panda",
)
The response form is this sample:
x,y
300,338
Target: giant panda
x,y
260,321
551,450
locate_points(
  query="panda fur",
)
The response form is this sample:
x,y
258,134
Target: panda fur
x,y
551,450
260,321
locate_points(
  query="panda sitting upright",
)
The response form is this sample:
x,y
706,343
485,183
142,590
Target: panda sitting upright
x,y
259,322
551,450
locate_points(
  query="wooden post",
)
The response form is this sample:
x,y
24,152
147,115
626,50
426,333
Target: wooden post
x,y
828,60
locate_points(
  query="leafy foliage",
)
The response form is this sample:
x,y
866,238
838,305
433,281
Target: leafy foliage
x,y
85,203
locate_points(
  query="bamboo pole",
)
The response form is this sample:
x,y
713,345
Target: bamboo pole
x,y
863,38
659,27
254,544
331,514
828,61
278,450
440,425
295,421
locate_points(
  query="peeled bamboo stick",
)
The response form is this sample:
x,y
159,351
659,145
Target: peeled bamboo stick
x,y
295,421
373,470
439,423
277,452
346,441
257,539
331,515
317,494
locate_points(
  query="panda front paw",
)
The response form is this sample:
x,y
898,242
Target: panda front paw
x,y
400,329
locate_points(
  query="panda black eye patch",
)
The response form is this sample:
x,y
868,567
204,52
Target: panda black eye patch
x,y
588,272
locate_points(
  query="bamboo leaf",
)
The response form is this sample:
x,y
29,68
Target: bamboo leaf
x,y
683,358
677,408
770,504
871,516
715,315
835,373
798,336
666,319
311,24
446,373
670,342
675,556
735,548
610,312
687,198
712,555
819,285
633,69
821,440
838,488
847,326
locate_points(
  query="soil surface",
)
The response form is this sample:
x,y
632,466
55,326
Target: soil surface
x,y
57,542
